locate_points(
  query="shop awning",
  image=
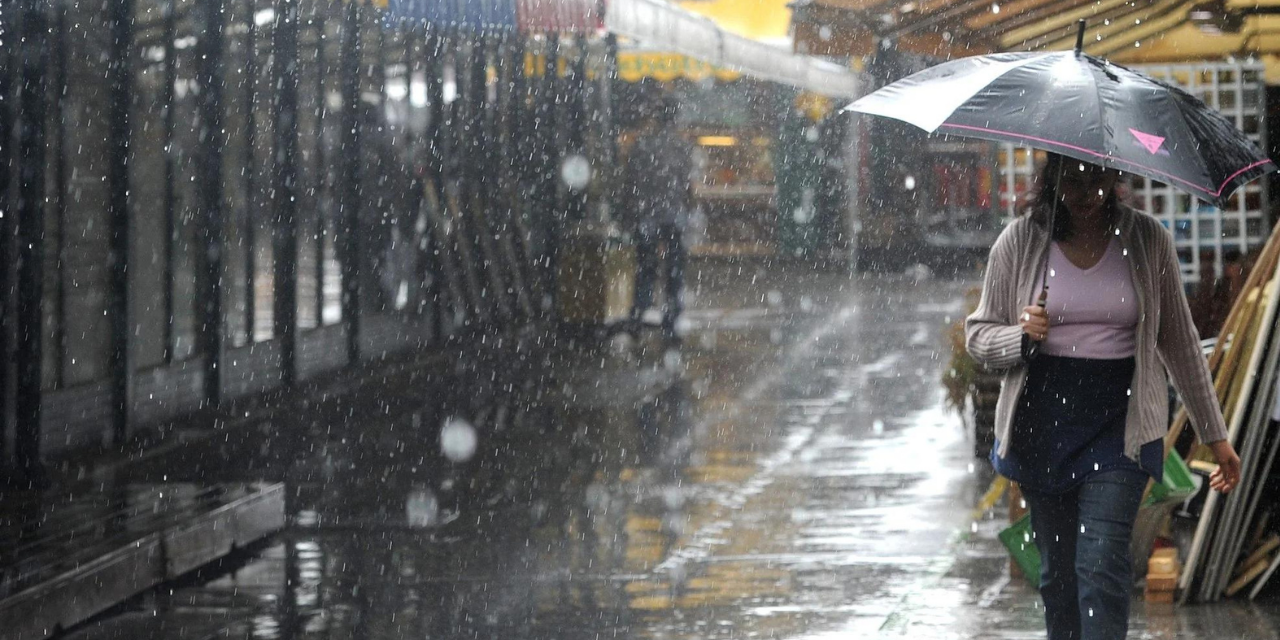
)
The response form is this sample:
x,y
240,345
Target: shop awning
x,y
659,25
465,14
558,16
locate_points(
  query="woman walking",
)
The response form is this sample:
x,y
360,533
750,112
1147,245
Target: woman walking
x,y
1084,407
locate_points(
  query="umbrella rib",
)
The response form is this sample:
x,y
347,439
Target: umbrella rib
x,y
1102,109
1171,96
1237,173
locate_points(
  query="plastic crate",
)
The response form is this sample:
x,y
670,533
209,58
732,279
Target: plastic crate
x,y
1176,487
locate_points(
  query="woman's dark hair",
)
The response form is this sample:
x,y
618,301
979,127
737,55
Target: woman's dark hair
x,y
1040,205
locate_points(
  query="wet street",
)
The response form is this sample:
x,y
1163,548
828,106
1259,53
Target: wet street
x,y
790,472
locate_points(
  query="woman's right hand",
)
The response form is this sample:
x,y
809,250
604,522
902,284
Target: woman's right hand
x,y
1035,322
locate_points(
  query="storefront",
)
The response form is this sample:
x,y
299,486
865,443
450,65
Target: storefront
x,y
768,141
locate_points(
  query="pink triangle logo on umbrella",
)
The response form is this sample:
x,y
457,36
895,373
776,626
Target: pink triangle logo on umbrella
x,y
1152,143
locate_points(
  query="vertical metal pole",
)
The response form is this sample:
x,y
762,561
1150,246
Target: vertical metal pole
x,y
120,311
613,128
350,201
551,213
518,141
576,206
30,213
63,187
430,253
322,166
284,228
433,48
383,153
417,179
1263,133
612,83
250,171
506,210
481,178
7,64
170,171
212,333
455,199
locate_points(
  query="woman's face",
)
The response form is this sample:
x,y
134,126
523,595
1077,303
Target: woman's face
x,y
1085,187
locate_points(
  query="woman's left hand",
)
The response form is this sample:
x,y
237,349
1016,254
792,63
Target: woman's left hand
x,y
1227,476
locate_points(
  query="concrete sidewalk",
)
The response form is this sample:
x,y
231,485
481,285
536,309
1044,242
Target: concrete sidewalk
x,y
789,473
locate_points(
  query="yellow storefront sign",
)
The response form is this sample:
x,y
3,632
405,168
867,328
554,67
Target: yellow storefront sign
x,y
634,66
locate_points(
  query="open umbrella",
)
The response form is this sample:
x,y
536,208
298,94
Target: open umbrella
x,y
1082,107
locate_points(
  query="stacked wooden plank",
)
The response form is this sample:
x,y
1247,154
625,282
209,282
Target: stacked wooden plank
x,y
1162,575
1230,549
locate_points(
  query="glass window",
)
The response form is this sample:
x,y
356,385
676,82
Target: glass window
x,y
236,176
331,153
52,356
310,168
147,185
258,219
188,245
85,274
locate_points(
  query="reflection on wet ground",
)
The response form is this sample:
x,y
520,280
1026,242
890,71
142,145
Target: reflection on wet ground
x,y
789,473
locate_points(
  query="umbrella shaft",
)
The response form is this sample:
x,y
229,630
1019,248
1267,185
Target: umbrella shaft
x,y
1053,213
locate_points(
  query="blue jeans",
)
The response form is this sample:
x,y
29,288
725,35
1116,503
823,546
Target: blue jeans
x,y
1086,572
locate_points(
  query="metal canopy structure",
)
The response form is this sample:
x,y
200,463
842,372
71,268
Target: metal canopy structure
x,y
1126,30
659,25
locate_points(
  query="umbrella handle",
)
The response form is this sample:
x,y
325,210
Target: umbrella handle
x,y
1079,36
1033,348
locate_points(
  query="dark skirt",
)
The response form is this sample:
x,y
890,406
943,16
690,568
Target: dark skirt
x,y
1069,422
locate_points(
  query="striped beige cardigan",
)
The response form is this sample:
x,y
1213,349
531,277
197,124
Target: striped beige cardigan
x,y
1165,332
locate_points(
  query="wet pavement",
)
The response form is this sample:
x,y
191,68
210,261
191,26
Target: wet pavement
x,y
789,472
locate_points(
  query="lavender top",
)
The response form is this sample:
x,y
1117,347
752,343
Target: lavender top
x,y
1093,313
1167,340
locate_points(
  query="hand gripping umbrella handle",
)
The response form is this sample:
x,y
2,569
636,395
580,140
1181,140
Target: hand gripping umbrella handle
x,y
1033,347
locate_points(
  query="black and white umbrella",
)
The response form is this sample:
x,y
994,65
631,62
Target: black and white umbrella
x,y
1082,107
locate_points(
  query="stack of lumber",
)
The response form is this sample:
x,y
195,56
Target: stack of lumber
x,y
1162,575
1261,561
1230,549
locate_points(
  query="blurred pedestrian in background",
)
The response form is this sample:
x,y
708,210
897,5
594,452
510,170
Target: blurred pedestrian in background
x,y
657,199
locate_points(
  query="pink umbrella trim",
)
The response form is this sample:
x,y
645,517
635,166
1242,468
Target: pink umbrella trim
x,y
1091,152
